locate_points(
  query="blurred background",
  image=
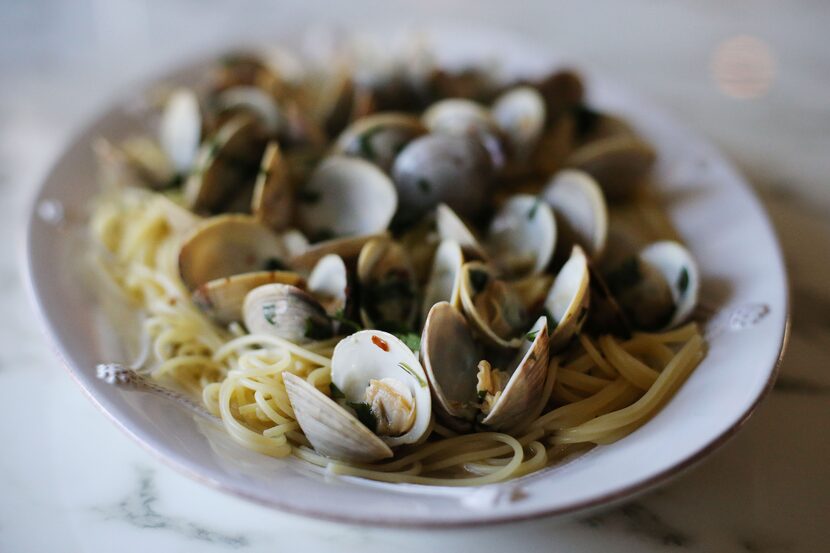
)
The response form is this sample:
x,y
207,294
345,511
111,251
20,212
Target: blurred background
x,y
753,76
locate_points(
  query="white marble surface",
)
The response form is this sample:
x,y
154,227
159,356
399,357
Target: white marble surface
x,y
70,481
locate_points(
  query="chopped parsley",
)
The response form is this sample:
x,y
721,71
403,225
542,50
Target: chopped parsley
x,y
308,196
412,340
414,375
531,336
364,143
481,395
551,321
347,326
533,209
364,414
269,312
683,281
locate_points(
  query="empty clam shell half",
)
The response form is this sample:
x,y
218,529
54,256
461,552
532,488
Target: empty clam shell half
x,y
332,430
445,277
329,282
568,299
580,210
451,227
382,379
378,138
495,310
346,196
181,128
287,312
222,299
522,235
347,248
619,163
272,201
527,378
253,100
228,245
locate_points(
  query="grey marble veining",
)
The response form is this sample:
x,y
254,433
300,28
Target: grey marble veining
x,y
70,481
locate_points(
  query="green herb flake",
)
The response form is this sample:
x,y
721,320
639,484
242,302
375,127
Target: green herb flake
x,y
308,196
683,281
317,329
425,185
481,395
364,143
336,393
347,326
552,324
414,375
533,209
269,312
213,149
479,280
531,336
363,412
412,340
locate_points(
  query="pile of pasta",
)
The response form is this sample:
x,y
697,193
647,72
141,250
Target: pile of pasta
x,y
597,391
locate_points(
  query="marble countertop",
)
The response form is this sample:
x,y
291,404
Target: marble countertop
x,y
72,482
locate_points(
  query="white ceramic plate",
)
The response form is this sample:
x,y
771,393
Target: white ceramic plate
x,y
710,204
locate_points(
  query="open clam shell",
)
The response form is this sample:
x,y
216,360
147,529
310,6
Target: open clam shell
x,y
493,308
287,312
680,270
346,196
451,227
459,117
437,168
254,101
379,138
181,128
228,245
522,236
222,299
444,278
568,300
332,430
388,285
380,375
527,379
226,166
450,357
347,248
581,213
619,163
272,201
137,161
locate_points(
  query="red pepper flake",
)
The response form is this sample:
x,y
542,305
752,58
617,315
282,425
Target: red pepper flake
x,y
380,342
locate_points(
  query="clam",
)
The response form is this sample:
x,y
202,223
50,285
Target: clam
x,y
657,288
181,128
222,298
444,278
226,165
451,227
437,168
619,163
346,196
228,245
347,248
329,283
254,101
383,381
380,137
286,311
580,210
520,115
465,384
332,430
495,310
522,236
138,161
563,91
388,286
272,202
468,119
568,300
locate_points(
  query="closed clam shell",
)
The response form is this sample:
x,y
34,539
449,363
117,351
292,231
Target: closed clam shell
x,y
379,138
520,115
222,299
526,381
287,312
332,431
228,245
